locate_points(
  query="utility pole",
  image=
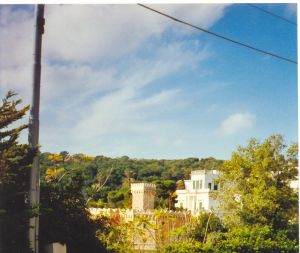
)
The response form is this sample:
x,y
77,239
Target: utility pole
x,y
33,137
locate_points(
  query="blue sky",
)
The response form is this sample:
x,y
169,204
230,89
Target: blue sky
x,y
121,80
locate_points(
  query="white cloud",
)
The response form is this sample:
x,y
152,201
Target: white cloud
x,y
16,33
204,15
86,33
237,122
99,72
127,109
83,35
74,83
16,47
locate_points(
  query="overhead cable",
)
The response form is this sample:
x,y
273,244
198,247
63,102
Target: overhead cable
x,y
272,14
221,36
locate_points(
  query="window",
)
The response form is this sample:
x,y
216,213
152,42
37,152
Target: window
x,y
200,205
209,186
200,184
197,185
194,185
215,187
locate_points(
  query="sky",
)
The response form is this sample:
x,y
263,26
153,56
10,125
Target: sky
x,y
121,80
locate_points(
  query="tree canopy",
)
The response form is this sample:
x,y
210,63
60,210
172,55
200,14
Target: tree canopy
x,y
256,184
15,165
107,180
63,214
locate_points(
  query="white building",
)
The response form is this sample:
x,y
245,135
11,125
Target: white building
x,y
197,195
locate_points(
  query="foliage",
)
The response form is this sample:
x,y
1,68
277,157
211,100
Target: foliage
x,y
120,236
257,239
125,236
64,217
256,185
15,164
117,235
253,239
165,190
206,223
185,247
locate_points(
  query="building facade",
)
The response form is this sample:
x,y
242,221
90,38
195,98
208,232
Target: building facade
x,y
198,193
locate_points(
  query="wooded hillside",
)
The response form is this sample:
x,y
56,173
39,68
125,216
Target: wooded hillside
x,y
107,180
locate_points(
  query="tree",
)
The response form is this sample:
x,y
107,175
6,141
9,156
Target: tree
x,y
206,222
255,185
254,239
63,216
186,247
165,191
138,234
15,164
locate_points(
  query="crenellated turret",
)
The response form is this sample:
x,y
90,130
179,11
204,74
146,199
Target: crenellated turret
x,y
143,195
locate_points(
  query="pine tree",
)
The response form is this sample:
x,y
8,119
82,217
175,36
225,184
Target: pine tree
x,y
15,164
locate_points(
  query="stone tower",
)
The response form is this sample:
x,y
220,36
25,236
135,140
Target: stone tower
x,y
143,196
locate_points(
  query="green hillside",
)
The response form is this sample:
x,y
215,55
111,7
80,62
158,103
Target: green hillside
x,y
106,181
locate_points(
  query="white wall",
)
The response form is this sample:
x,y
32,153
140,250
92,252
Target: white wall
x,y
196,196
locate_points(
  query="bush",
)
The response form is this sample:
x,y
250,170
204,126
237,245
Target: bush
x,y
250,240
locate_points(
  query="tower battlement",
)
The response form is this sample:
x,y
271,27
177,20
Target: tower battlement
x,y
142,187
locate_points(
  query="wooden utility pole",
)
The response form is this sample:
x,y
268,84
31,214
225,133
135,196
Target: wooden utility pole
x,y
33,137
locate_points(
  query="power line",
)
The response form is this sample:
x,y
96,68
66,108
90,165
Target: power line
x,y
272,14
221,36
